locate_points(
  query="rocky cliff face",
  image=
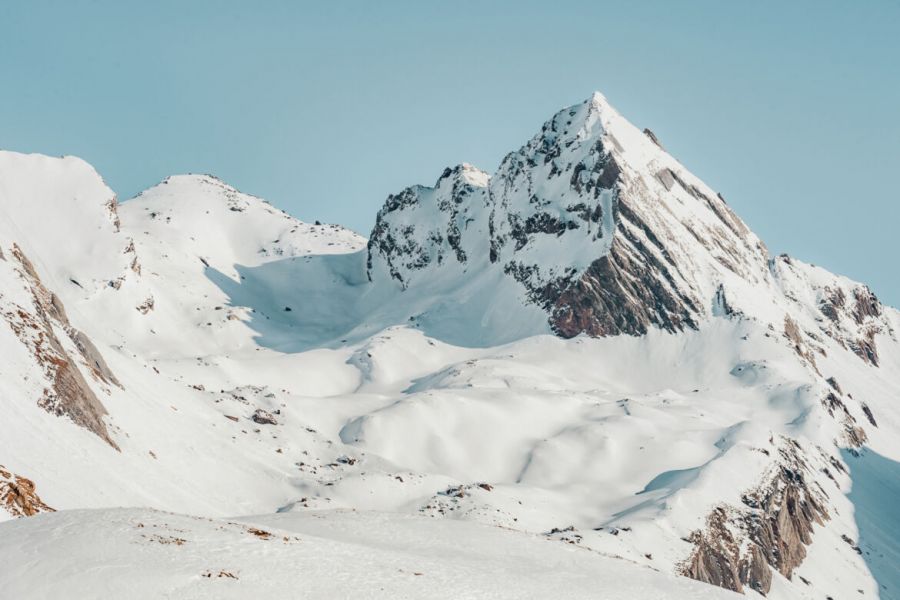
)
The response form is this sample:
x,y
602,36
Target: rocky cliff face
x,y
594,224
741,546
440,227
18,495
598,225
39,326
842,310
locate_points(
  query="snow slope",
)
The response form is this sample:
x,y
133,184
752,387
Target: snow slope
x,y
581,371
341,555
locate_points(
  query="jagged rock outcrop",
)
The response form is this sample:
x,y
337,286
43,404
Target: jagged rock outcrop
x,y
263,417
18,495
595,225
740,546
67,392
852,435
843,310
595,222
627,267
608,299
801,343
421,227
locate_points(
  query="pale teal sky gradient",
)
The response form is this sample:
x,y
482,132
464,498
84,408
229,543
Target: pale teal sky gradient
x,y
790,109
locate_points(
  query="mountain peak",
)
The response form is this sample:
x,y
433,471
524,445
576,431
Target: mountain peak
x,y
474,175
591,219
467,174
240,360
600,107
193,185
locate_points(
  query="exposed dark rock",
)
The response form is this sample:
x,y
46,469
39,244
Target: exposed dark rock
x,y
652,137
868,412
850,542
405,248
716,556
833,404
865,305
540,292
382,239
865,348
586,213
792,332
454,238
575,181
741,546
146,306
455,492
864,314
541,222
68,393
622,292
18,496
833,304
112,210
722,304
263,417
854,435
608,172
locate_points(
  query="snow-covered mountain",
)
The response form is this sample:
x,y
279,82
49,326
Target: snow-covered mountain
x,y
584,359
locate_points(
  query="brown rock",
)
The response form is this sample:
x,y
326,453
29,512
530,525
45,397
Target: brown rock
x,y
264,417
18,495
67,393
609,300
740,546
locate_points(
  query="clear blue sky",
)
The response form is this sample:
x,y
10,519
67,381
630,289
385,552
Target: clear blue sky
x,y
790,109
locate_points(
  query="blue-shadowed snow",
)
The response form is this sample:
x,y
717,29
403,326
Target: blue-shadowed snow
x,y
876,509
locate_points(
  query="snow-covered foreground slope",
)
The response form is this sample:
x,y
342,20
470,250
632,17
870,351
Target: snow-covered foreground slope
x,y
583,372
144,554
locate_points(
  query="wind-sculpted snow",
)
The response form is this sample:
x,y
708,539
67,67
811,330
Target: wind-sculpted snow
x,y
586,347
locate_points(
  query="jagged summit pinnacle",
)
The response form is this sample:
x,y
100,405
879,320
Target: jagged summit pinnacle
x,y
599,105
598,100
468,173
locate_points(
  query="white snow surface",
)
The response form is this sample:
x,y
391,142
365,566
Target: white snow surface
x,y
310,555
431,437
